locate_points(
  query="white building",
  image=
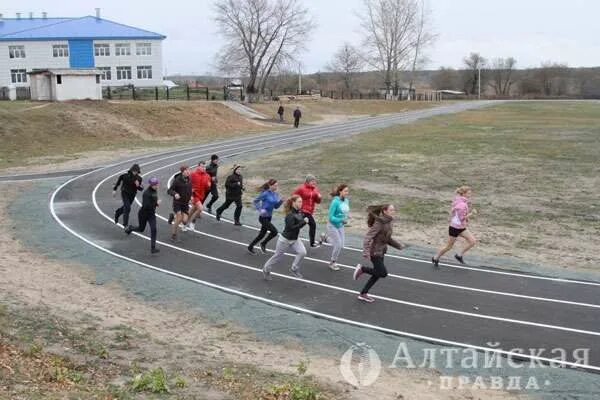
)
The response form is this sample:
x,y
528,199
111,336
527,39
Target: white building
x,y
124,55
65,84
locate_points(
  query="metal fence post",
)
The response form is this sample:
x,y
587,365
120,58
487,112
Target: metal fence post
x,y
187,91
133,92
207,94
224,92
167,93
155,93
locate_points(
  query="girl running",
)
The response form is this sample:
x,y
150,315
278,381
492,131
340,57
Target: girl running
x,y
338,217
147,214
201,182
265,203
294,221
234,187
181,190
310,198
375,246
459,218
130,183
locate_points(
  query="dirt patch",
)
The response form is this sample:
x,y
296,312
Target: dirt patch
x,y
101,328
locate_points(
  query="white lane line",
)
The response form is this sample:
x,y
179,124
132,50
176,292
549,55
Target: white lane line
x,y
312,312
315,283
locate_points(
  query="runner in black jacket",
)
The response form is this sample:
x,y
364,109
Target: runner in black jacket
x,y
130,183
181,190
147,213
234,187
212,170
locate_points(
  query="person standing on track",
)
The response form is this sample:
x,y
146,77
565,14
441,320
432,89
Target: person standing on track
x,y
265,203
147,214
181,190
337,218
234,187
459,219
201,182
375,245
212,170
130,183
297,116
310,198
289,239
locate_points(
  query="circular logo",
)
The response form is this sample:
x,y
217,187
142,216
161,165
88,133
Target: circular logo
x,y
360,365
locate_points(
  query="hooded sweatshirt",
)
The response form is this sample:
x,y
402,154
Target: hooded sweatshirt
x,y
338,211
459,212
266,201
379,237
310,197
201,182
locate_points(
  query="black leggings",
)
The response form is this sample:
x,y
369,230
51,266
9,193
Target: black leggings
x,y
238,208
378,271
265,226
312,228
150,218
125,208
214,192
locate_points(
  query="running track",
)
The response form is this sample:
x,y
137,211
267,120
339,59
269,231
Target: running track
x,y
453,305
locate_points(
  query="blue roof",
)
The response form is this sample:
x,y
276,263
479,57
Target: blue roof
x,y
70,28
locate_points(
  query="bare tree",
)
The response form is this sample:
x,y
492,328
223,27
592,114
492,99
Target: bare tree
x,y
347,62
551,78
423,37
388,27
501,78
261,35
474,63
446,78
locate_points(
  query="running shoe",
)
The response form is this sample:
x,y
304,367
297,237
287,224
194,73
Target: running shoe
x,y
154,251
267,274
459,258
366,298
174,239
436,263
171,218
333,266
296,273
209,210
251,251
218,216
191,226
116,218
323,238
357,272
263,248
237,223
128,229
315,245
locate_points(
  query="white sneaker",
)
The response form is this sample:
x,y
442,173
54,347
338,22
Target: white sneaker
x,y
333,266
191,226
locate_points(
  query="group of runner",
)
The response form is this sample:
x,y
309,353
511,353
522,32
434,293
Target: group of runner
x,y
190,190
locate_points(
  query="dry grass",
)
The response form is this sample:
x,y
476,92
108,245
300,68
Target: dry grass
x,y
533,166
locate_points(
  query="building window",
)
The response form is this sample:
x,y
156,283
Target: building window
x,y
101,50
122,49
105,73
123,73
18,76
144,72
97,79
59,79
60,50
143,49
16,51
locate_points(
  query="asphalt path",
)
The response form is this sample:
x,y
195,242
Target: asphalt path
x,y
514,314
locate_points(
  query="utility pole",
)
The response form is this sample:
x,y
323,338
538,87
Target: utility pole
x,y
299,78
479,79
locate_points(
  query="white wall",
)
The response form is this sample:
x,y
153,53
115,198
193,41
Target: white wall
x,y
38,55
76,87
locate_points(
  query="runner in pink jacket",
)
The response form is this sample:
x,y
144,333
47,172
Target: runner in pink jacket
x,y
459,219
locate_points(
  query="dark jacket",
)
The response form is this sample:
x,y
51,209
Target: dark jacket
x,y
280,110
128,183
379,237
294,221
297,114
182,186
149,200
234,186
212,170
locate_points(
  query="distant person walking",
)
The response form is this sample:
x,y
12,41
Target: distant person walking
x,y
181,191
289,239
265,203
297,116
375,245
147,214
310,198
280,112
201,183
130,183
337,218
234,187
212,170
459,219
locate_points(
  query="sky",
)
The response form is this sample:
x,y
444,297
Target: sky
x,y
532,31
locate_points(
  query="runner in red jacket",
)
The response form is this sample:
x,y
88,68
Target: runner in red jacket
x,y
310,195
201,182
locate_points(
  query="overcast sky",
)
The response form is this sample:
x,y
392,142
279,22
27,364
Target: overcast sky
x,y
532,31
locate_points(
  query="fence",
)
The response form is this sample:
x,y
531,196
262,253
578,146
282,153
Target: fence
x,y
163,93
23,93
